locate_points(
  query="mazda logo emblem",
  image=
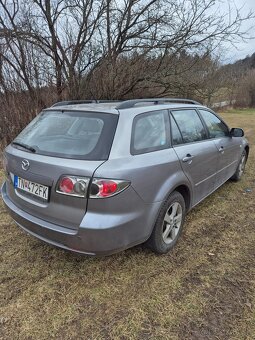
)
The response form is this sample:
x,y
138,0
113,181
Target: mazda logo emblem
x,y
25,164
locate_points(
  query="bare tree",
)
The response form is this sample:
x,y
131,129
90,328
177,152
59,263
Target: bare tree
x,y
15,51
65,30
110,49
138,29
77,37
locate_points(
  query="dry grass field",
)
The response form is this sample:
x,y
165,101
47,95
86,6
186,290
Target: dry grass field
x,y
203,289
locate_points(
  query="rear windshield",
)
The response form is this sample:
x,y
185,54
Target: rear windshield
x,y
77,135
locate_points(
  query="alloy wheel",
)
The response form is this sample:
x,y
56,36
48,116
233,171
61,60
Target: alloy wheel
x,y
172,222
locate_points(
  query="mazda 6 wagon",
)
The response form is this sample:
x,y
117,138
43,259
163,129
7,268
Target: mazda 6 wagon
x,y
100,177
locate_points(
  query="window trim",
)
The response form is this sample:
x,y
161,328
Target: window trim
x,y
222,121
171,130
202,122
133,150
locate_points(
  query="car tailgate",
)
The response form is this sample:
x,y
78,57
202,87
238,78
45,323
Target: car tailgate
x,y
63,210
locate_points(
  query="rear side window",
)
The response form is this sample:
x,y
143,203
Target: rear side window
x,y
150,132
77,135
190,125
215,126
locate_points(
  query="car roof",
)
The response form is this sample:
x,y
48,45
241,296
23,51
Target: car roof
x,y
121,107
100,107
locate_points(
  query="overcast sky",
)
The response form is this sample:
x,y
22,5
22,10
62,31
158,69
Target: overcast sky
x,y
244,48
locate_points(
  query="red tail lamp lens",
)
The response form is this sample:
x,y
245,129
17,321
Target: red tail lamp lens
x,y
108,188
102,188
66,185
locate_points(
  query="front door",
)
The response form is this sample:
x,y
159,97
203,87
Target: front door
x,y
228,148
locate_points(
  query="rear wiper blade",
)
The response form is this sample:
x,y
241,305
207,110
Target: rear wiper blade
x,y
25,146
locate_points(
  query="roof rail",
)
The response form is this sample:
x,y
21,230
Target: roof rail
x,y
131,103
73,102
94,101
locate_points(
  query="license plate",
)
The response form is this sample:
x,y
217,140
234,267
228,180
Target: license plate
x,y
33,188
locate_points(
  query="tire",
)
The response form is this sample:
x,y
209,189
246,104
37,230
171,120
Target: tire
x,y
168,228
240,168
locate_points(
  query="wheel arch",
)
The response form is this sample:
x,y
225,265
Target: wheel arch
x,y
247,149
186,194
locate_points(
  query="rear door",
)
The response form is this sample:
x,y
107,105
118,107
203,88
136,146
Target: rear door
x,y
228,148
198,155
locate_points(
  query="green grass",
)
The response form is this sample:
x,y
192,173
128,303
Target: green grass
x,y
203,289
246,111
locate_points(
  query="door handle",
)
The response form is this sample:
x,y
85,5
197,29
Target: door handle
x,y
188,158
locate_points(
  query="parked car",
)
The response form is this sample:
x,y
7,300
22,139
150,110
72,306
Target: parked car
x,y
99,177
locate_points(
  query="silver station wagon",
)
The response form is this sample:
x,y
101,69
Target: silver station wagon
x,y
100,177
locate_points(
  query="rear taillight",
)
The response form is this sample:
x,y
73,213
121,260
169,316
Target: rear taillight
x,y
99,188
73,186
102,188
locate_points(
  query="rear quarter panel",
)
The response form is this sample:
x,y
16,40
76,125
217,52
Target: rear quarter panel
x,y
152,175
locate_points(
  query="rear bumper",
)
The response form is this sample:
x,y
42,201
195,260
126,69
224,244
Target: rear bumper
x,y
98,234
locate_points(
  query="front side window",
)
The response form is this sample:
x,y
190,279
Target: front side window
x,y
190,125
215,126
77,135
150,132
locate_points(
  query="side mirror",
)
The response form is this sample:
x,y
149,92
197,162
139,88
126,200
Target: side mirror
x,y
236,132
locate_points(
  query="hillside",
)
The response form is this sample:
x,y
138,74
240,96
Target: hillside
x,y
247,63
